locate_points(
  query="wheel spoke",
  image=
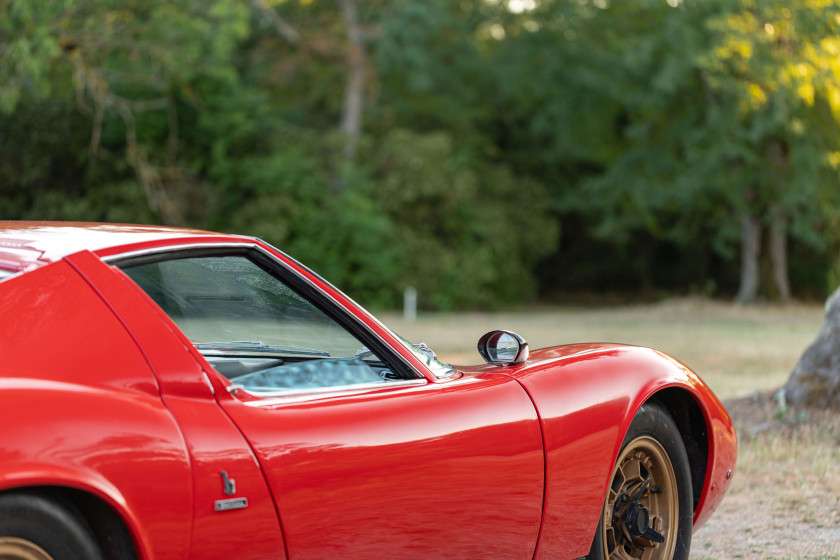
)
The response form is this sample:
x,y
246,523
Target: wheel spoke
x,y
632,470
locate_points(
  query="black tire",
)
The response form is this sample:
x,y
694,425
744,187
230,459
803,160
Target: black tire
x,y
34,526
658,498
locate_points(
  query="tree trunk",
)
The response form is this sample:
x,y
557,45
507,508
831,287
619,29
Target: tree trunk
x,y
778,254
351,118
816,379
750,249
777,153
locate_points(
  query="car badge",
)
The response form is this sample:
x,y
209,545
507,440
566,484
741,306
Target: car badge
x,y
229,504
229,487
230,484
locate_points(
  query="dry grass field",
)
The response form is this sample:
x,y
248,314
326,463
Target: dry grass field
x,y
785,498
736,349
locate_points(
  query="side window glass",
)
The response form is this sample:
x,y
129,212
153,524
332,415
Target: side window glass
x,y
255,330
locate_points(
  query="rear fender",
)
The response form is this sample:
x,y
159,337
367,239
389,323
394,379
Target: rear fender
x,y
122,448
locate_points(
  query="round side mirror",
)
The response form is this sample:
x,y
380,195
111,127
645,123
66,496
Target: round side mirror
x,y
503,347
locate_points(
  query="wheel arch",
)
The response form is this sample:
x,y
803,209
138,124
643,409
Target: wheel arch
x,y
109,529
693,426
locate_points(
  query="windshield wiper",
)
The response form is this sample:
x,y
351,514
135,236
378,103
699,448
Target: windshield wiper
x,y
254,347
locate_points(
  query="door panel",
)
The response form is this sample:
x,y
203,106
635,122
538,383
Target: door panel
x,y
434,471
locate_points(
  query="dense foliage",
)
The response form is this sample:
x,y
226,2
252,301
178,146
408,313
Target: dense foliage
x,y
442,144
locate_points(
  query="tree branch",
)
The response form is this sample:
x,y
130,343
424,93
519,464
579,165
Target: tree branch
x,y
90,80
351,117
279,24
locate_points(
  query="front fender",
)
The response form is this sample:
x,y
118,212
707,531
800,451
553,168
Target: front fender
x,y
586,396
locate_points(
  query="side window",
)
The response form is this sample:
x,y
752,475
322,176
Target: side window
x,y
254,329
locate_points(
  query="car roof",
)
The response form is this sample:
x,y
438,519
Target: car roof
x,y
26,245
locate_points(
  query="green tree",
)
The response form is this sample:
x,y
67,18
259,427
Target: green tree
x,y
128,67
775,66
683,121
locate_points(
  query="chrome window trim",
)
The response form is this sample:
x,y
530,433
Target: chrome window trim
x,y
187,247
246,245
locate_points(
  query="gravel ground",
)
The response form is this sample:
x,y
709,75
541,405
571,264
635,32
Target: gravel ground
x,y
785,498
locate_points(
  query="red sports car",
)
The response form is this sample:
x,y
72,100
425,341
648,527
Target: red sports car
x,y
170,393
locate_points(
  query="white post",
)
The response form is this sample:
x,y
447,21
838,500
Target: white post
x,y
410,304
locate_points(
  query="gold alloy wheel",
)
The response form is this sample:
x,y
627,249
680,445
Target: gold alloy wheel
x,y
641,515
13,548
